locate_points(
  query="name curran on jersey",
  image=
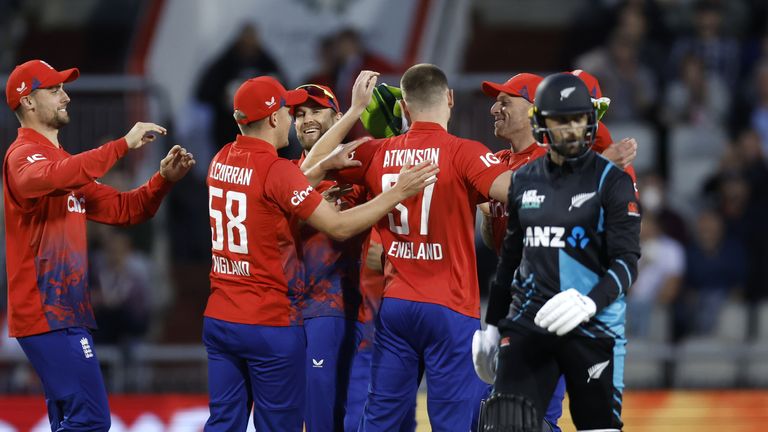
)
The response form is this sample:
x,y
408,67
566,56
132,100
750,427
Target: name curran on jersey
x,y
231,174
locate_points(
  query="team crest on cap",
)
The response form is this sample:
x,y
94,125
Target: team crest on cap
x,y
566,92
22,87
270,103
524,92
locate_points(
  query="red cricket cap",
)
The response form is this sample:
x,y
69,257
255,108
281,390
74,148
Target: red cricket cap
x,y
32,75
592,84
321,94
522,85
259,97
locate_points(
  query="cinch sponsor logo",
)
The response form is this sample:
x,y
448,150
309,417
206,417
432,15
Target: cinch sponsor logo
x,y
532,200
75,205
299,197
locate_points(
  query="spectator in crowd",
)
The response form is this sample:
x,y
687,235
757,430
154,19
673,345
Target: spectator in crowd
x,y
654,201
759,115
715,271
660,274
719,53
696,98
243,59
622,75
120,286
353,57
328,62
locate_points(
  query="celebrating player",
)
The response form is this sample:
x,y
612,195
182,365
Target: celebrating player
x,y
48,196
331,303
570,254
255,345
431,299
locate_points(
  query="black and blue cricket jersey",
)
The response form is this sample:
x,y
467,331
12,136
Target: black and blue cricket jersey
x,y
575,225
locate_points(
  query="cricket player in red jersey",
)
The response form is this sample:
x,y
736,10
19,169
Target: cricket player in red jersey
x,y
331,303
431,298
253,335
48,196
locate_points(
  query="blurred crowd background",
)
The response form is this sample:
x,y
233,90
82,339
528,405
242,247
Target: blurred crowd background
x,y
688,79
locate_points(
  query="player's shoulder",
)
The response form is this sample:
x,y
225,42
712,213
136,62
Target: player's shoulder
x,y
28,150
609,173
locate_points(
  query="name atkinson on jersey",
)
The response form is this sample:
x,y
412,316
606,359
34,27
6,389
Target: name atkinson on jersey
x,y
231,174
416,250
397,158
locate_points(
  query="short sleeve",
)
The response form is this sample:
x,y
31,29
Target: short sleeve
x,y
478,165
288,188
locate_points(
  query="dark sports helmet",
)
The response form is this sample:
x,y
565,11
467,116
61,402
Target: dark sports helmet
x,y
562,94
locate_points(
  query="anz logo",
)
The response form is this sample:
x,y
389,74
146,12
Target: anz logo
x,y
553,237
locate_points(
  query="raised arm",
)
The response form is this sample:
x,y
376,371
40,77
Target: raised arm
x,y
361,95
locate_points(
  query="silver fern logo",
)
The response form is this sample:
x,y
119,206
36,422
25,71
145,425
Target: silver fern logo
x,y
594,372
579,200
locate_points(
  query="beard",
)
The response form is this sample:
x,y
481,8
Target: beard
x,y
58,120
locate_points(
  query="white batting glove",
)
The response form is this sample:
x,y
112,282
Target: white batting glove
x,y
565,311
485,348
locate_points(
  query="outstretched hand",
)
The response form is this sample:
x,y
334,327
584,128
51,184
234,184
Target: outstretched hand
x,y
143,133
363,89
176,164
341,157
413,179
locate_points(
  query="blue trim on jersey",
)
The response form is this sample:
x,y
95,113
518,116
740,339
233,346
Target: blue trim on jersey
x,y
528,295
619,353
614,316
616,278
617,414
602,177
629,275
588,333
573,274
601,221
617,399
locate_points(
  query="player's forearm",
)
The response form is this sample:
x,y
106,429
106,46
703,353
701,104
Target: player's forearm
x,y
501,291
356,220
332,138
44,177
616,281
106,205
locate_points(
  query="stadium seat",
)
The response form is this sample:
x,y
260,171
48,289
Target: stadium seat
x,y
732,324
647,146
694,155
644,366
703,362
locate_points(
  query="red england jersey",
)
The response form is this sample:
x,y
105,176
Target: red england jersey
x,y
429,238
512,161
331,268
48,195
252,194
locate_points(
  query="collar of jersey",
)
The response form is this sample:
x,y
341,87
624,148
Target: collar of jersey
x,y
570,164
530,149
250,142
426,126
29,134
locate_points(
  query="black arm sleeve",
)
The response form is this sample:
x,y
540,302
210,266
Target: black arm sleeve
x,y
511,253
622,239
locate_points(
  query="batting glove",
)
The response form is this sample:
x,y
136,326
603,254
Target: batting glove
x,y
565,311
485,348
